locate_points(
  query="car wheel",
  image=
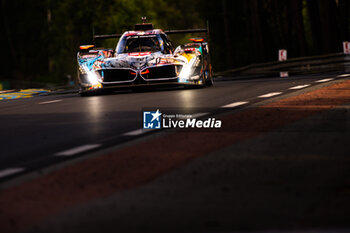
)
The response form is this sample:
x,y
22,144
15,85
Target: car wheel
x,y
209,81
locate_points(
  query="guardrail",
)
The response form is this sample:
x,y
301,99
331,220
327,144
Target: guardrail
x,y
303,65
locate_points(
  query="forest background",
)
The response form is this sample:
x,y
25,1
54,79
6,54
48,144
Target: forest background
x,y
40,38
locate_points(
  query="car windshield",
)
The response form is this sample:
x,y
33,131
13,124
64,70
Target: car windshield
x,y
141,44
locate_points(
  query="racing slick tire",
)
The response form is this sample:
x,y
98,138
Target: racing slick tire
x,y
209,81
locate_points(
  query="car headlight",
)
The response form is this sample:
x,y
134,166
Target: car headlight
x,y
82,70
92,78
187,70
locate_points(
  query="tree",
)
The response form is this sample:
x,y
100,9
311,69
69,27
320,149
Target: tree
x,y
242,32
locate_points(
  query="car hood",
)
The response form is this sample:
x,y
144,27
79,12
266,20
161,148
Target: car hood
x,y
139,61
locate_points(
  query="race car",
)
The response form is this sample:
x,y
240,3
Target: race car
x,y
144,57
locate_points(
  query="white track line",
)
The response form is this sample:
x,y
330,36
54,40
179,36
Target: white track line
x,y
270,95
235,104
343,75
196,115
10,171
136,132
324,80
77,150
50,102
299,87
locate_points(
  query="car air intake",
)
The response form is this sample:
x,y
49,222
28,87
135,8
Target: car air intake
x,y
117,75
161,72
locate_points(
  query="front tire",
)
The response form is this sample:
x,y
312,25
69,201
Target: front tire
x,y
209,81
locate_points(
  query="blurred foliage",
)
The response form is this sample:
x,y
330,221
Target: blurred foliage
x,y
40,38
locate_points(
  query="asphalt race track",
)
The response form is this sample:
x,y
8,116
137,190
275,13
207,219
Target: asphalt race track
x,y
280,163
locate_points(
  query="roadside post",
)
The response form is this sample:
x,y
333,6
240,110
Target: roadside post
x,y
346,50
346,47
282,56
